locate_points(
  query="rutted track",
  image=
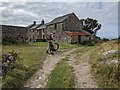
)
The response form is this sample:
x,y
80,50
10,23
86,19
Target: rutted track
x,y
82,71
39,79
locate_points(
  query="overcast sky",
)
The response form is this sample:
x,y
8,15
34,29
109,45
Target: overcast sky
x,y
24,13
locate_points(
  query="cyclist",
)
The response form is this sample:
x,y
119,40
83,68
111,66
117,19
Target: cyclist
x,y
51,41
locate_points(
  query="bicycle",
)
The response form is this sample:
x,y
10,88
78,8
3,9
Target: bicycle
x,y
52,48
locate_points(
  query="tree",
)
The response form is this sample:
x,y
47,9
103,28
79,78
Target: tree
x,y
91,25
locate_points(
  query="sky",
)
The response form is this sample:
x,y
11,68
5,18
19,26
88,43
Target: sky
x,y
24,13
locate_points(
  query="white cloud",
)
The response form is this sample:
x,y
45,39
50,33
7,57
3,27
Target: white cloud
x,y
60,0
24,13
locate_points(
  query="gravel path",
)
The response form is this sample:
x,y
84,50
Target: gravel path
x,y
39,79
82,69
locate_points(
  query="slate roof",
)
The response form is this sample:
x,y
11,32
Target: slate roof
x,y
59,19
36,26
31,25
12,26
42,26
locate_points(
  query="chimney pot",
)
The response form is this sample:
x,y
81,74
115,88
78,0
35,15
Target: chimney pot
x,y
34,22
42,22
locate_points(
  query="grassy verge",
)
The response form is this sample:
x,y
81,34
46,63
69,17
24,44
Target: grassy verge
x,y
61,76
32,56
82,49
106,73
68,46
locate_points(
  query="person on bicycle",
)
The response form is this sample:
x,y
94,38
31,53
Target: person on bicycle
x,y
51,41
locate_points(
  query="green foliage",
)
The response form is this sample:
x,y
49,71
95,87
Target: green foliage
x,y
68,46
15,79
91,25
28,60
16,71
82,49
61,76
105,39
106,73
10,60
89,43
8,40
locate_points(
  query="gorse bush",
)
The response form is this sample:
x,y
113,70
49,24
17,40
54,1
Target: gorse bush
x,y
11,60
13,69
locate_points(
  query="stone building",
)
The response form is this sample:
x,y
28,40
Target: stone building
x,y
17,33
67,29
37,32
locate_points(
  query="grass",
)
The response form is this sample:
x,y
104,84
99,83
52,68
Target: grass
x,y
106,74
61,76
81,49
30,53
32,56
40,44
68,46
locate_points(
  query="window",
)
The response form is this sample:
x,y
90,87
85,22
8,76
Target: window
x,y
55,26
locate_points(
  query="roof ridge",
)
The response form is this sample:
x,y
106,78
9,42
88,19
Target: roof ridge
x,y
64,15
60,18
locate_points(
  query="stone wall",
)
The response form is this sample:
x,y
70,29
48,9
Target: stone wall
x,y
74,39
65,38
84,38
72,23
15,32
58,31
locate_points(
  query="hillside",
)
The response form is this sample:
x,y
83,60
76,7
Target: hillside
x,y
104,61
73,66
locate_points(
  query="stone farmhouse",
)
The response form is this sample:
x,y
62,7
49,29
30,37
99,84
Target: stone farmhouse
x,y
37,32
66,29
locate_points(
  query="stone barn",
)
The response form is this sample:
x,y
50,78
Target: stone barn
x,y
17,33
67,29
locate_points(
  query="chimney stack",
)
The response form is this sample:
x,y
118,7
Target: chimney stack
x,y
42,22
34,22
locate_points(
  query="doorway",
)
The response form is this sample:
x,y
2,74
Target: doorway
x,y
79,38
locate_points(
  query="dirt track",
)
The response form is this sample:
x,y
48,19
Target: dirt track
x,y
39,79
82,71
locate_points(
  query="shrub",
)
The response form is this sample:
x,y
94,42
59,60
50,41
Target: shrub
x,y
7,40
15,71
119,40
105,39
41,40
89,43
105,69
109,75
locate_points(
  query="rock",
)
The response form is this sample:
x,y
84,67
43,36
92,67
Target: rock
x,y
40,78
113,61
39,86
108,53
